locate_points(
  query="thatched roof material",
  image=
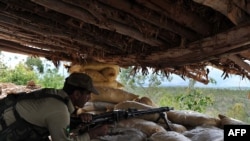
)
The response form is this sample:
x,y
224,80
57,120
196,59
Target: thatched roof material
x,y
172,36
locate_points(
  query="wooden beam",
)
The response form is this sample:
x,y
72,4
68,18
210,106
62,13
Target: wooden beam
x,y
206,49
114,16
203,50
227,8
243,4
17,48
81,14
21,49
24,42
151,18
55,33
239,62
185,18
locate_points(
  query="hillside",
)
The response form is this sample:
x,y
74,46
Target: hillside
x,y
231,102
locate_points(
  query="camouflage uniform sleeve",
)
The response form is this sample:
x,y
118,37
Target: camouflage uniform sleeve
x,y
58,125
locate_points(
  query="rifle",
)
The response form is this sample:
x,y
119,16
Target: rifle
x,y
115,116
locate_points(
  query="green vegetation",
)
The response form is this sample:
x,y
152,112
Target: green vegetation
x,y
229,102
52,79
194,100
25,72
232,103
35,63
20,75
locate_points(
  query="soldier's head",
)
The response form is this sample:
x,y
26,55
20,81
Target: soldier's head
x,y
79,86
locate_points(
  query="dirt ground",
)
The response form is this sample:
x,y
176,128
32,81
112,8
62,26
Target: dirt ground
x,y
8,88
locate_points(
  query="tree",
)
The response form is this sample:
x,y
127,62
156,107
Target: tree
x,y
20,75
191,83
238,111
52,79
24,72
35,63
127,78
194,100
148,83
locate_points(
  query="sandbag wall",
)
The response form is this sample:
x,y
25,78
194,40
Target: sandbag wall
x,y
103,75
185,125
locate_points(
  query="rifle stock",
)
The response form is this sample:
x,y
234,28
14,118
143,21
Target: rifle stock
x,y
115,116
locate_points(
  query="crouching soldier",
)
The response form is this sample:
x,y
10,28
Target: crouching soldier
x,y
34,119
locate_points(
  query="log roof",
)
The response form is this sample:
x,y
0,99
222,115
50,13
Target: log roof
x,y
172,36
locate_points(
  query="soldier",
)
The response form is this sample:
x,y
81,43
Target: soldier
x,y
36,119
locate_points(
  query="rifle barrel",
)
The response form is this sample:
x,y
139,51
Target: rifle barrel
x,y
117,115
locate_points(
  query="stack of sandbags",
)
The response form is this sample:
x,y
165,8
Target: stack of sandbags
x,y
124,134
224,120
146,100
103,75
145,126
96,107
168,136
104,79
126,105
106,100
184,124
205,133
112,95
192,119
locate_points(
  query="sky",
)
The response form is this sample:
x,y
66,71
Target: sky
x,y
12,59
233,81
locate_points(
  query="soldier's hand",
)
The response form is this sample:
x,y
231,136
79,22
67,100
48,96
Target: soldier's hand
x,y
86,117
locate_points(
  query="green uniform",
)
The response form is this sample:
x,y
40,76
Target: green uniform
x,y
47,112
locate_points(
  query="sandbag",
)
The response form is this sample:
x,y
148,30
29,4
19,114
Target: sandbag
x,y
94,65
191,118
75,68
103,75
98,105
131,104
174,127
109,73
147,127
205,133
224,120
113,84
124,134
112,95
146,100
168,136
95,75
177,127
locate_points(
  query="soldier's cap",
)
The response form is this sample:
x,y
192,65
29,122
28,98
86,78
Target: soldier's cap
x,y
81,81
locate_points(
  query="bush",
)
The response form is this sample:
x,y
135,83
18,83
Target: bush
x,y
20,75
51,79
194,100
